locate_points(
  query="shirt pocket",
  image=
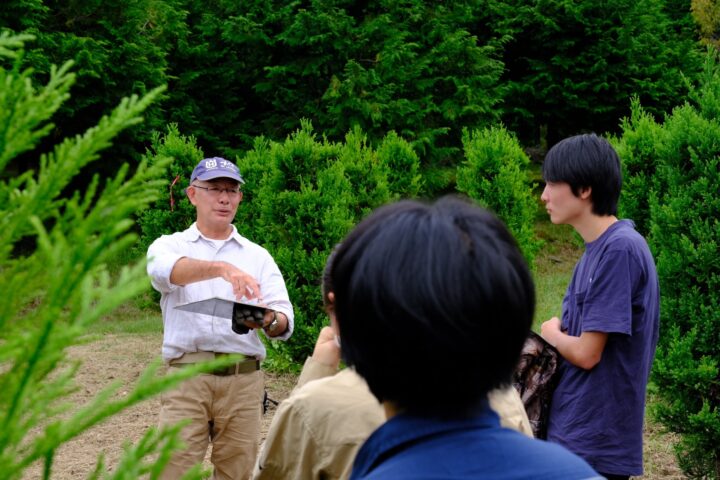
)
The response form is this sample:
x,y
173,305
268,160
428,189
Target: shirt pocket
x,y
575,316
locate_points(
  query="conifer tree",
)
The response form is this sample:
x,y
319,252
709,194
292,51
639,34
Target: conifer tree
x,y
572,66
495,173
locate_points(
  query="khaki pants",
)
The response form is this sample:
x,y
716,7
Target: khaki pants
x,y
232,405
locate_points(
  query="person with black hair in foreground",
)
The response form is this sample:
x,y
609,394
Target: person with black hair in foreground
x,y
433,303
610,314
319,428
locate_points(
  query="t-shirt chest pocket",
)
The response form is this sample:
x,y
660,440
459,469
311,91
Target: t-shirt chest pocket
x,y
578,303
581,291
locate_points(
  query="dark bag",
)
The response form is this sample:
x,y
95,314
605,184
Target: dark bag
x,y
535,379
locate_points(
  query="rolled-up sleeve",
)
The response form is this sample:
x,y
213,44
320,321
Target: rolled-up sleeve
x,y
161,258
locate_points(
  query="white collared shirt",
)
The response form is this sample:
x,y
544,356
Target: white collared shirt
x,y
191,332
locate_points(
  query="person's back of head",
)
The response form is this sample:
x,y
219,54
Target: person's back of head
x,y
587,161
433,302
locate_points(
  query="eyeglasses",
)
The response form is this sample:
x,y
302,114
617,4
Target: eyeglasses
x,y
215,191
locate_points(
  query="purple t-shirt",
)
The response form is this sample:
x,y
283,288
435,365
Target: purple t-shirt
x,y
598,413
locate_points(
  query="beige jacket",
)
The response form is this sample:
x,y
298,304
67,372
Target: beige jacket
x,y
319,428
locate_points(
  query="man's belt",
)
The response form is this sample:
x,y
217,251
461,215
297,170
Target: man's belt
x,y
247,365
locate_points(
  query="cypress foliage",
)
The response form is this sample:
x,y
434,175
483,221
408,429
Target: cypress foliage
x,y
706,14
305,194
172,211
641,136
572,66
54,262
426,70
495,173
410,66
119,48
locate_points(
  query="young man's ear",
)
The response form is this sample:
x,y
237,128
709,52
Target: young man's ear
x,y
585,193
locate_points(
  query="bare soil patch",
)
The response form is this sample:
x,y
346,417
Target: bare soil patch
x,y
123,357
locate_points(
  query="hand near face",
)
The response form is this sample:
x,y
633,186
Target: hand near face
x,y
327,348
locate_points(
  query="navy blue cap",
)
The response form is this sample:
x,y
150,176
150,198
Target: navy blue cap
x,y
216,167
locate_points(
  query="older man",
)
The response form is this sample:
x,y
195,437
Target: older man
x,y
211,259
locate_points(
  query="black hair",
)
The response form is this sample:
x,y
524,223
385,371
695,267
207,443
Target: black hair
x,y
326,285
433,302
587,161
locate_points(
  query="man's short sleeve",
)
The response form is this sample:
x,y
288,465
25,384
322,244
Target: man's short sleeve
x,y
607,303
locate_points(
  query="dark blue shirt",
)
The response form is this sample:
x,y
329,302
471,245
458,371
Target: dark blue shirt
x,y
598,413
409,447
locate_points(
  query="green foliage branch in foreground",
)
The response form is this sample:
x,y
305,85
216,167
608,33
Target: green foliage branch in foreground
x,y
673,179
55,289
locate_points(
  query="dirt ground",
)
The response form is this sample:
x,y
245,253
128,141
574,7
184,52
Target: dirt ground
x,y
124,357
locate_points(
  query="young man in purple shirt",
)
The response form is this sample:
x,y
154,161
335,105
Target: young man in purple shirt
x,y
610,314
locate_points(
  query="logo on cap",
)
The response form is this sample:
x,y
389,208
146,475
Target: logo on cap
x,y
228,165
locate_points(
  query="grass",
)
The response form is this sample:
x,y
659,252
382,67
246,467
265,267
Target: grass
x,y
659,450
131,318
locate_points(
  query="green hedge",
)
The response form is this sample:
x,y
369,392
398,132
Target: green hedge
x,y
305,194
172,211
495,173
